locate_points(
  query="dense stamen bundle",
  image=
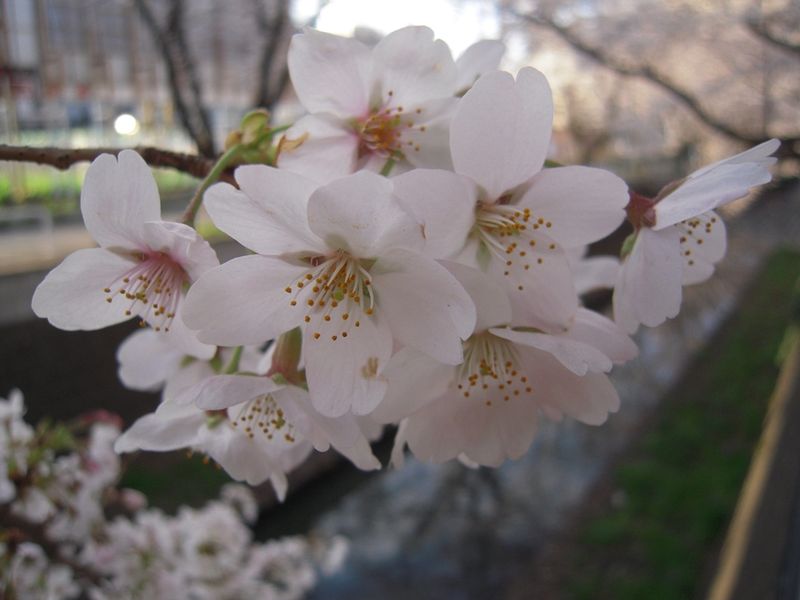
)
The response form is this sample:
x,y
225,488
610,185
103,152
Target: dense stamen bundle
x,y
336,287
263,415
510,235
152,288
491,370
381,132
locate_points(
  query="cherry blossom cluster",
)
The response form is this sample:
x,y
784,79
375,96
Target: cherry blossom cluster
x,y
414,260
60,538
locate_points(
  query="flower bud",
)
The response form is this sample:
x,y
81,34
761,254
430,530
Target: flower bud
x,y
286,357
254,124
234,139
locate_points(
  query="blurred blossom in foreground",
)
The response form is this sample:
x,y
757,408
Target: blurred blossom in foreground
x,y
58,539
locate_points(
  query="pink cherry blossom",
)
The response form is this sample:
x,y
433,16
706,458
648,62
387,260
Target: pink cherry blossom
x,y
519,218
142,265
680,238
487,409
367,106
342,261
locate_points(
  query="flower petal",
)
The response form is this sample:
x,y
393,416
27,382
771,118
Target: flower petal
x,y
329,151
538,279
492,306
242,458
481,57
224,391
330,73
71,296
358,214
589,399
488,435
501,130
343,433
717,184
577,356
243,301
345,372
269,212
759,154
183,244
703,244
602,333
424,304
414,380
427,134
648,289
444,203
160,433
413,66
118,195
182,381
580,204
146,360
186,340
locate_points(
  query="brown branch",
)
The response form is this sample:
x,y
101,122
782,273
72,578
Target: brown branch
x,y
63,158
760,30
37,533
657,78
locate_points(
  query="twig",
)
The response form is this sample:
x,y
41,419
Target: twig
x,y
215,174
661,80
272,29
63,158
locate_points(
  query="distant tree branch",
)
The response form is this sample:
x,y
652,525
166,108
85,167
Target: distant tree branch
x,y
272,28
181,73
176,30
63,158
661,80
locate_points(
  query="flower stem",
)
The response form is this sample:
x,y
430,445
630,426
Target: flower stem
x,y
216,171
233,363
387,166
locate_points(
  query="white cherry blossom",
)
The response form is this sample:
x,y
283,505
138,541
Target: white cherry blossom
x,y
149,361
253,428
679,238
342,262
175,426
367,106
519,218
142,265
487,409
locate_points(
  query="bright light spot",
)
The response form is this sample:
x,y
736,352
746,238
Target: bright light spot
x,y
126,124
459,23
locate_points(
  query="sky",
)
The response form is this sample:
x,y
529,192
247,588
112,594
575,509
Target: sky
x,y
457,22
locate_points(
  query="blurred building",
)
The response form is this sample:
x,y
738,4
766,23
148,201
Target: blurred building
x,y
67,64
